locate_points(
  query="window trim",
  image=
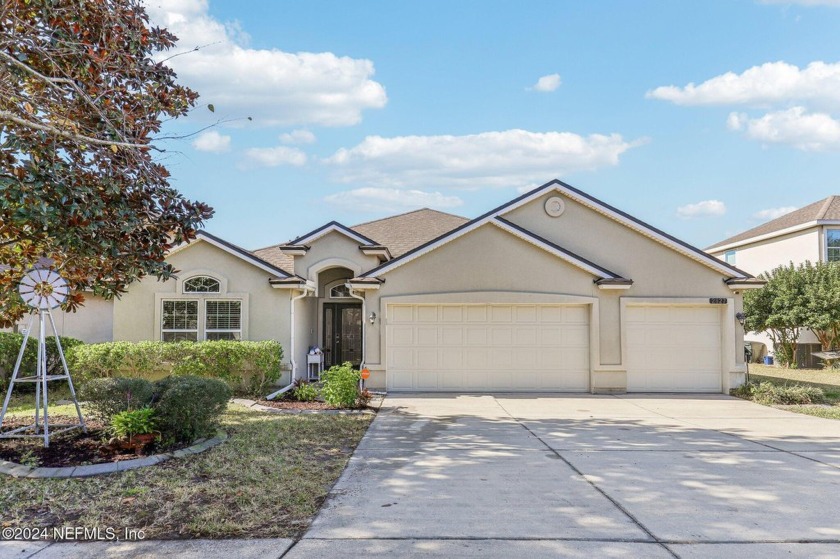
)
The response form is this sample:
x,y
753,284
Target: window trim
x,y
244,299
825,244
208,300
337,286
201,276
726,257
180,330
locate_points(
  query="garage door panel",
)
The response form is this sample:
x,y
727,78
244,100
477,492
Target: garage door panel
x,y
488,347
673,348
501,314
526,314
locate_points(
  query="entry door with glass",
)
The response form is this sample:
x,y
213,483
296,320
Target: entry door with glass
x,y
342,334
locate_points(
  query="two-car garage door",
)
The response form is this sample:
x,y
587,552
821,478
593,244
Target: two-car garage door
x,y
488,348
543,347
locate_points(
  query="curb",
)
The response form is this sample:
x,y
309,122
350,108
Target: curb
x,y
20,471
251,404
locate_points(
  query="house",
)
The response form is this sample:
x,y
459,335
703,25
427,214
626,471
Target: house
x,y
809,234
552,291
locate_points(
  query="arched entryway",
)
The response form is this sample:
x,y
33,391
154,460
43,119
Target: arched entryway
x,y
340,318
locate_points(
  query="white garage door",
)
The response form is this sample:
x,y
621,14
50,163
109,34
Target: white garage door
x,y
488,348
673,349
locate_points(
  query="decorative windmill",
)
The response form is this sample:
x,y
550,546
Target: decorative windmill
x,y
42,290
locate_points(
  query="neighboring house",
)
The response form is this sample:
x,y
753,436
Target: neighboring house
x,y
809,234
553,291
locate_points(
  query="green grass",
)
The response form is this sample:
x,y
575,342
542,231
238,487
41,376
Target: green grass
x,y
268,479
827,380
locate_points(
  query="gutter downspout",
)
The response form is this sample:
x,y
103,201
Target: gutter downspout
x,y
292,377
353,294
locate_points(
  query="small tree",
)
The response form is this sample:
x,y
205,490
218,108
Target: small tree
x,y
779,308
822,302
82,101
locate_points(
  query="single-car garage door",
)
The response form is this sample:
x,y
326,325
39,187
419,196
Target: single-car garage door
x,y
488,348
673,348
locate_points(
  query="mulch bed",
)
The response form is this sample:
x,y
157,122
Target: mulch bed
x,y
71,448
295,405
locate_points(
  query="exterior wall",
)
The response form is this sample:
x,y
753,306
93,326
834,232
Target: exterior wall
x,y
265,311
757,258
92,323
489,265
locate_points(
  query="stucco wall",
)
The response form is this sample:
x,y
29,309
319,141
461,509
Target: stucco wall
x,y
489,259
331,250
92,323
266,315
757,258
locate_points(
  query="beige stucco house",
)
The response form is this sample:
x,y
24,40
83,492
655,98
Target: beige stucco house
x,y
553,291
809,234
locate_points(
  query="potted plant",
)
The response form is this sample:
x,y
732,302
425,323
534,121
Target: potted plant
x,y
135,428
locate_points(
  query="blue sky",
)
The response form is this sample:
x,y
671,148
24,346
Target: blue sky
x,y
702,118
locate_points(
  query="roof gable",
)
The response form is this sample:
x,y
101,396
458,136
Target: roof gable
x,y
332,226
582,198
236,251
822,211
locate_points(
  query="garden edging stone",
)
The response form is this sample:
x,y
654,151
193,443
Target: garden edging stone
x,y
19,470
251,404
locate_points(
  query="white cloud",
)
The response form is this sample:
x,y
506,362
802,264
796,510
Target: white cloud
x,y
391,200
773,213
702,209
298,137
795,126
772,82
275,156
272,86
488,159
547,83
212,141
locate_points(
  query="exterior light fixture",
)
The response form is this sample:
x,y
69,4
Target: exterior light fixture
x,y
372,318
741,318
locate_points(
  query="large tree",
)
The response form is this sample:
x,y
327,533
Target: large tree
x,y
82,101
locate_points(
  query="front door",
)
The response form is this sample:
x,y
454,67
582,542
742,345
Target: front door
x,y
342,334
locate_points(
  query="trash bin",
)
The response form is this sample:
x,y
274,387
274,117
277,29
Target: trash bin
x,y
768,359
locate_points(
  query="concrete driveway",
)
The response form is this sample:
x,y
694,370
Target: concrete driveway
x,y
585,476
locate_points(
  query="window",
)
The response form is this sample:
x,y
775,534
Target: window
x,y
730,257
201,284
340,292
179,321
224,320
832,245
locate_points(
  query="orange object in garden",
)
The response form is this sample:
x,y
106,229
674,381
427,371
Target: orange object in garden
x,y
365,374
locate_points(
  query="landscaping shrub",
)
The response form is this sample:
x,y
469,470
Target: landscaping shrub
x,y
780,394
341,386
10,346
189,407
305,391
247,367
106,397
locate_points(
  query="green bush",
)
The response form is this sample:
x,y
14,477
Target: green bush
x,y
127,424
341,386
305,392
247,367
780,394
106,397
189,407
10,347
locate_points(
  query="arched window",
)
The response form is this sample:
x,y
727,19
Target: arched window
x,y
340,291
201,284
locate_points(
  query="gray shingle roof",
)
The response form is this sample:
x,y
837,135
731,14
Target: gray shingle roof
x,y
825,209
403,232
400,233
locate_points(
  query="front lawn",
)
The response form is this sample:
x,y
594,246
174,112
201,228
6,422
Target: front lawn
x,y
828,380
267,480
